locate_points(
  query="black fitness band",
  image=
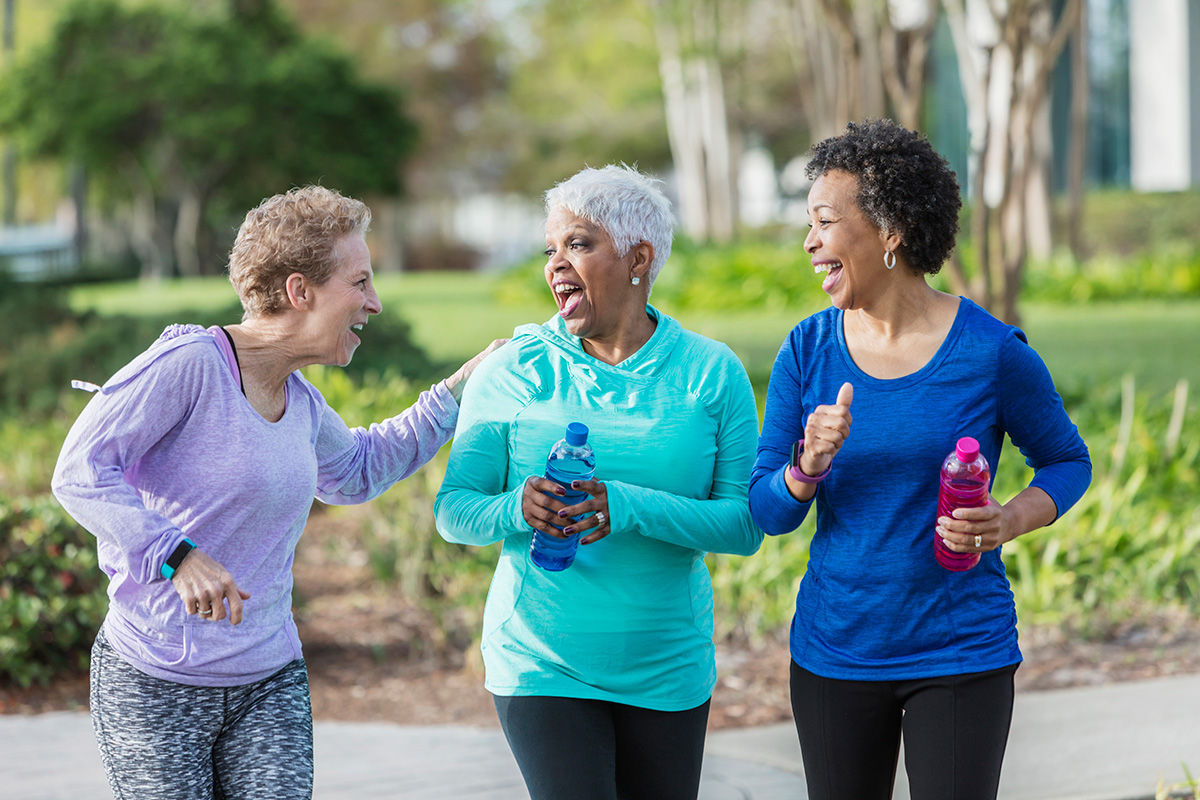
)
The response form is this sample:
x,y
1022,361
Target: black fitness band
x,y
176,558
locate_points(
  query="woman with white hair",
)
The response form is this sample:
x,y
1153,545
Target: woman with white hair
x,y
602,673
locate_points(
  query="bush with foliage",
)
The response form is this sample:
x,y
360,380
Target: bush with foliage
x,y
1119,222
44,345
760,273
1163,273
52,593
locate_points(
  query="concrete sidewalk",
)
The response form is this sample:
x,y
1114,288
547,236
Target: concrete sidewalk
x,y
1104,743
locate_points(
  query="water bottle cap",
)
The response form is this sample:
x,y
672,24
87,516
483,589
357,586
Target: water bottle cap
x,y
577,434
967,449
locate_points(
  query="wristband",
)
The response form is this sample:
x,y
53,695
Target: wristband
x,y
176,558
797,473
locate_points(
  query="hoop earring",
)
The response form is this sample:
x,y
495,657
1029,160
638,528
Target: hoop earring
x,y
636,280
889,259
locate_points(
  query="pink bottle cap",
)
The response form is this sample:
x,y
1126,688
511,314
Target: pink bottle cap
x,y
967,450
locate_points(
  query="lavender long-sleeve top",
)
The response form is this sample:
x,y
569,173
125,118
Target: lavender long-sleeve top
x,y
170,448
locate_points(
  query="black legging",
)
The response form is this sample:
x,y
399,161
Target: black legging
x,y
598,750
955,731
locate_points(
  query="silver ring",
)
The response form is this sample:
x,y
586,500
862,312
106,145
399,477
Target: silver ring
x,y
600,519
204,612
978,542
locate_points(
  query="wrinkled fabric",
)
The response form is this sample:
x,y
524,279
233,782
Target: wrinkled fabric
x,y
874,604
673,428
170,448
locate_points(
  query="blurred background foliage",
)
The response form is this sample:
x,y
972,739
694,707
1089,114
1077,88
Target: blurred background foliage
x,y
156,123
1127,552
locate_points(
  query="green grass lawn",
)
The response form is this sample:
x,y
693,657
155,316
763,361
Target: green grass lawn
x,y
453,315
1157,342
1128,548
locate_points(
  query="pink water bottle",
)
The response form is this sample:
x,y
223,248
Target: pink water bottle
x,y
964,484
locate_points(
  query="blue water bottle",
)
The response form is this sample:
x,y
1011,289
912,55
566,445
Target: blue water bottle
x,y
571,459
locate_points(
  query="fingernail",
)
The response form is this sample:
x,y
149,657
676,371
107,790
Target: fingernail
x,y
574,484
569,531
562,513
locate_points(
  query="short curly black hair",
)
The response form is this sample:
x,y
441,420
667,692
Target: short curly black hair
x,y
903,186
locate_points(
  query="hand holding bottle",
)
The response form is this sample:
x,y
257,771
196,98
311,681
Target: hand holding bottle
x,y
569,487
958,532
546,514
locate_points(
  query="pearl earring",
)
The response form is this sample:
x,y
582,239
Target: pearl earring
x,y
636,280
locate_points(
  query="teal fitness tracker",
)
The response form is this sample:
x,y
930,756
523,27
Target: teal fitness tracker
x,y
176,558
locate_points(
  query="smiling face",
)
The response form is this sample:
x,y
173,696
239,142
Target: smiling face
x,y
843,243
591,283
345,302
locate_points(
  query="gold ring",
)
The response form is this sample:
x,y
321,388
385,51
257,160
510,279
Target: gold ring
x,y
978,542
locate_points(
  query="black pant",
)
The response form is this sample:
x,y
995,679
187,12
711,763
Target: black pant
x,y
955,731
598,750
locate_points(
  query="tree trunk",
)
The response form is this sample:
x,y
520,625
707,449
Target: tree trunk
x,y
686,149
905,55
9,179
144,229
718,162
1022,42
697,119
187,231
1077,154
79,191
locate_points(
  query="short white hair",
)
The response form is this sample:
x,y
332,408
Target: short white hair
x,y
630,206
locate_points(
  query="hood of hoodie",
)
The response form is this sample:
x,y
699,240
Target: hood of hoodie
x,y
646,362
173,336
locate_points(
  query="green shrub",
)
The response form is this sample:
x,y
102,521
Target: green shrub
x,y
29,450
1120,222
52,593
750,274
44,345
1130,544
1164,273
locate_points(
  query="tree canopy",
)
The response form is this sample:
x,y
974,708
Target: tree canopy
x,y
195,114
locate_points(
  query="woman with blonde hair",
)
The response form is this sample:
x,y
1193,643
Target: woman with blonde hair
x,y
195,467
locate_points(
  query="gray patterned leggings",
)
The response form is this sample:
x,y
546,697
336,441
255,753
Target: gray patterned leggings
x,y
161,740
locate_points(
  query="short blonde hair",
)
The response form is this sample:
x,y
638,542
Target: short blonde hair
x,y
297,231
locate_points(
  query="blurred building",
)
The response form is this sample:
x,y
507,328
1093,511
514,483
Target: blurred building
x,y
1164,78
37,252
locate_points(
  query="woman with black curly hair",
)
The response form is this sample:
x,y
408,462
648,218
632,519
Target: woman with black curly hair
x,y
885,640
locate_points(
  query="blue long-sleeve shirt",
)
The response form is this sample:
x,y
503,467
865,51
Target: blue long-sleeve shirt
x,y
673,427
874,604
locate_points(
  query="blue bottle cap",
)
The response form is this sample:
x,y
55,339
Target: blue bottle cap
x,y
577,434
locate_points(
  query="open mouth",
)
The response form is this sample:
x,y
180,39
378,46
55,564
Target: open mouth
x,y
568,296
833,273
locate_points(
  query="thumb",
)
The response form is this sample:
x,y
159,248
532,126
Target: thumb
x,y
845,395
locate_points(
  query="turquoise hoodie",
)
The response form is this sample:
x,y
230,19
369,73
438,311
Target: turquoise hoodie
x,y
674,428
